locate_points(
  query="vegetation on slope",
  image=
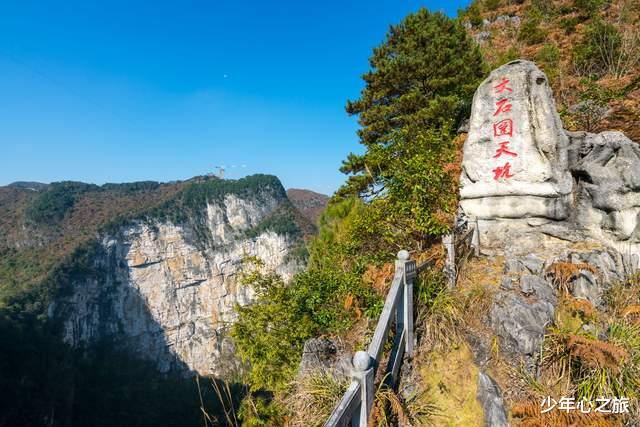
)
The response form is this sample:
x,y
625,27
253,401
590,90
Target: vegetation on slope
x,y
48,238
309,203
589,49
401,194
402,191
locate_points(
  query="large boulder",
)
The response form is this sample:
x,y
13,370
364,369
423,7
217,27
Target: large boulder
x,y
534,187
606,167
515,157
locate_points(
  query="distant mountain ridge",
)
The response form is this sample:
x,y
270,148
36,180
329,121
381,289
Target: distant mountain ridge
x,y
29,185
309,203
153,269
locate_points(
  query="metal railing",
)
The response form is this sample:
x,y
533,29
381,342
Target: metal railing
x,y
356,403
460,245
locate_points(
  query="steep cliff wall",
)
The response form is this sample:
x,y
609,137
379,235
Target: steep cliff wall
x,y
164,285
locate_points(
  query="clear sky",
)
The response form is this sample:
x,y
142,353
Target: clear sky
x,y
133,90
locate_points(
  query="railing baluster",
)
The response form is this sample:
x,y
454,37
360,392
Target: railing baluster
x,y
363,372
357,401
409,275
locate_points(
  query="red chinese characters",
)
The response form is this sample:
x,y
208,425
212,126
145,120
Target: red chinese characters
x,y
503,107
502,171
504,149
502,86
503,128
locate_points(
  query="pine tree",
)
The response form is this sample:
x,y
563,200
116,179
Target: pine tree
x,y
422,77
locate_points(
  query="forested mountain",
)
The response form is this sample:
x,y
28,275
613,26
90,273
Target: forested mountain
x,y
112,295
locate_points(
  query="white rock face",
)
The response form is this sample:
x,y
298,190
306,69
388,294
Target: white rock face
x,y
168,292
533,186
607,168
515,156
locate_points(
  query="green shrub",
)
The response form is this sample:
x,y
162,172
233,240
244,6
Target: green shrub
x,y
132,187
588,7
545,8
568,24
530,30
593,105
472,14
281,221
270,333
549,58
491,5
260,410
51,205
606,50
338,241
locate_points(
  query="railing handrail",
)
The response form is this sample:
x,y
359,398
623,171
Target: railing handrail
x,y
386,317
355,405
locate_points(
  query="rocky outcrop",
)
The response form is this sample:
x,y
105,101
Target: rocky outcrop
x,y
606,167
515,158
324,355
490,397
543,198
166,290
533,186
520,317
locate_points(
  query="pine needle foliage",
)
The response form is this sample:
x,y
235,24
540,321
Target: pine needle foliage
x,y
418,89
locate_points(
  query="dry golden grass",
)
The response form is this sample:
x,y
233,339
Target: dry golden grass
x,y
435,254
595,353
578,308
351,304
581,307
632,312
623,298
484,270
530,415
388,409
313,398
563,273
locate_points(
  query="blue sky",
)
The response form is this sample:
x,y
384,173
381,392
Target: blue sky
x,y
126,90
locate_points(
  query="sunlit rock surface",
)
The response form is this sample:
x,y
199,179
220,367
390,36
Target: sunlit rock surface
x,y
531,185
515,157
168,291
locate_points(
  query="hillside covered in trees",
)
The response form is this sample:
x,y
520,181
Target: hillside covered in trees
x,y
401,192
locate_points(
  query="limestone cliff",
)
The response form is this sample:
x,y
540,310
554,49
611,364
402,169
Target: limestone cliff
x,y
558,220
164,285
